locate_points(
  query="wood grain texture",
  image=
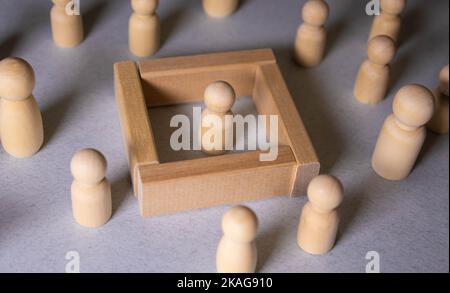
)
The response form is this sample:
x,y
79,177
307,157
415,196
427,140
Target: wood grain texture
x,y
272,97
177,80
231,178
189,88
144,28
185,64
202,183
135,122
265,104
304,174
67,30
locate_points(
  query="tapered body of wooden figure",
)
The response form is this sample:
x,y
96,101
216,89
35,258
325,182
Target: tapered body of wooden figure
x,y
91,191
310,43
67,25
237,252
215,129
319,220
144,28
403,133
439,123
373,77
21,129
389,22
220,8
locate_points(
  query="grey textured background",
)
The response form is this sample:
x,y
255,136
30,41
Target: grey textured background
x,y
406,222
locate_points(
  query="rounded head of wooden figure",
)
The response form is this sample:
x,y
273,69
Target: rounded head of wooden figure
x,y
219,97
315,12
381,50
394,7
61,2
240,224
146,7
17,79
413,105
443,80
325,193
88,166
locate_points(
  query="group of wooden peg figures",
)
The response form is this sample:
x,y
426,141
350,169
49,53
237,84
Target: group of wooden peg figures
x,y
236,252
91,192
415,107
316,232
144,26
399,143
21,127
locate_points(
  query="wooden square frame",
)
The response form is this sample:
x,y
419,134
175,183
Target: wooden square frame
x,y
164,188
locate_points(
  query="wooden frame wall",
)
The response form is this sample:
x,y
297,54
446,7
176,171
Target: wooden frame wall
x,y
231,178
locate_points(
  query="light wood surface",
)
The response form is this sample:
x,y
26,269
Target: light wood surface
x,y
135,122
21,126
389,22
67,30
272,97
372,82
177,80
319,220
144,30
90,191
223,179
219,98
439,123
220,8
310,43
237,251
403,133
201,183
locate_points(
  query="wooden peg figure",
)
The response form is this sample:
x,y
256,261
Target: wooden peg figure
x,y
144,28
21,129
67,24
220,8
319,220
439,123
311,38
219,98
403,133
388,23
91,191
373,77
237,252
